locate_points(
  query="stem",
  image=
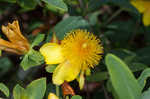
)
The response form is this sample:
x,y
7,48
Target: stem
x,y
114,15
57,90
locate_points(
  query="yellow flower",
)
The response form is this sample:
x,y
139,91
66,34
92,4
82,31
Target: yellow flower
x,y
17,42
143,7
79,51
52,96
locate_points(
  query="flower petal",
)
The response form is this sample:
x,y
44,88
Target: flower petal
x,y
146,18
10,47
139,5
52,96
13,33
52,53
65,72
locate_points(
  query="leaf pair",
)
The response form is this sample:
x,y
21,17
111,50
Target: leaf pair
x,y
125,84
33,58
35,90
123,81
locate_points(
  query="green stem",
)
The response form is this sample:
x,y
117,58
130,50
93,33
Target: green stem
x,y
57,90
114,15
0,52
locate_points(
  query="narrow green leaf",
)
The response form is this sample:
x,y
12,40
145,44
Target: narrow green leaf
x,y
56,5
4,89
18,92
39,38
142,79
123,81
36,89
76,97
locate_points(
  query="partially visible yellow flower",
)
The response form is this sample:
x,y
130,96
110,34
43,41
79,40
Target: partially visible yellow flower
x,y
17,42
79,51
143,6
52,96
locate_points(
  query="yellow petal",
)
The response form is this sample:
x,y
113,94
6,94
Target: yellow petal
x,y
52,96
81,80
139,4
65,72
52,53
146,18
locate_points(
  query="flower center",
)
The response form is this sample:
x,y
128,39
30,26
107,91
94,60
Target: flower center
x,y
84,45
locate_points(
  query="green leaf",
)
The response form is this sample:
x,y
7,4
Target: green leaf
x,y
130,58
27,4
76,97
18,92
136,66
142,79
9,1
50,68
98,76
93,17
39,38
111,89
31,59
123,81
67,25
4,89
56,5
146,94
36,89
